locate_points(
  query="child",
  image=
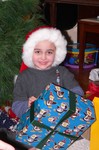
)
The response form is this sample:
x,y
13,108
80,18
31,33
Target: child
x,y
43,51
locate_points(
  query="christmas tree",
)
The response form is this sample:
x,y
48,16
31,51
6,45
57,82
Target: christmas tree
x,y
17,18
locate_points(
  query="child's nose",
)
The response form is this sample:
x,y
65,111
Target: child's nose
x,y
43,56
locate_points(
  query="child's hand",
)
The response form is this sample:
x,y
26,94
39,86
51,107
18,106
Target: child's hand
x,y
5,146
31,100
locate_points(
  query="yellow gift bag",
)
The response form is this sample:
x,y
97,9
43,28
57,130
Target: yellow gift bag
x,y
94,137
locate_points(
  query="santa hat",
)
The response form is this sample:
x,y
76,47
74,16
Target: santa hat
x,y
40,34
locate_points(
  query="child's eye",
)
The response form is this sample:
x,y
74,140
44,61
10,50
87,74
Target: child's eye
x,y
37,51
50,52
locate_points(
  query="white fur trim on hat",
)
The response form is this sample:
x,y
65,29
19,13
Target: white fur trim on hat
x,y
47,33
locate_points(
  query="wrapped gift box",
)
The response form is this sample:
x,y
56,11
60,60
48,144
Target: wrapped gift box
x,y
56,119
8,119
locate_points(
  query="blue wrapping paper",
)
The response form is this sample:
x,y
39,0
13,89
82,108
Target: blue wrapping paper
x,y
56,119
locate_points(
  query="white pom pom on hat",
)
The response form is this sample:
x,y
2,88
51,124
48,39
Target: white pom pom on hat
x,y
40,34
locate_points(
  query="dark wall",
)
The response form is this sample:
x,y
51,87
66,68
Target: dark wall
x,y
67,15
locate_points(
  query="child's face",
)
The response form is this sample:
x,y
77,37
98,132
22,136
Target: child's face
x,y
44,54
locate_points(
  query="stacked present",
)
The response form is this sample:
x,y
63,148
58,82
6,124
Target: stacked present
x,y
8,119
56,119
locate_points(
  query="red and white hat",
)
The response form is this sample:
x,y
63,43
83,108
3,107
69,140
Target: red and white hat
x,y
40,34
